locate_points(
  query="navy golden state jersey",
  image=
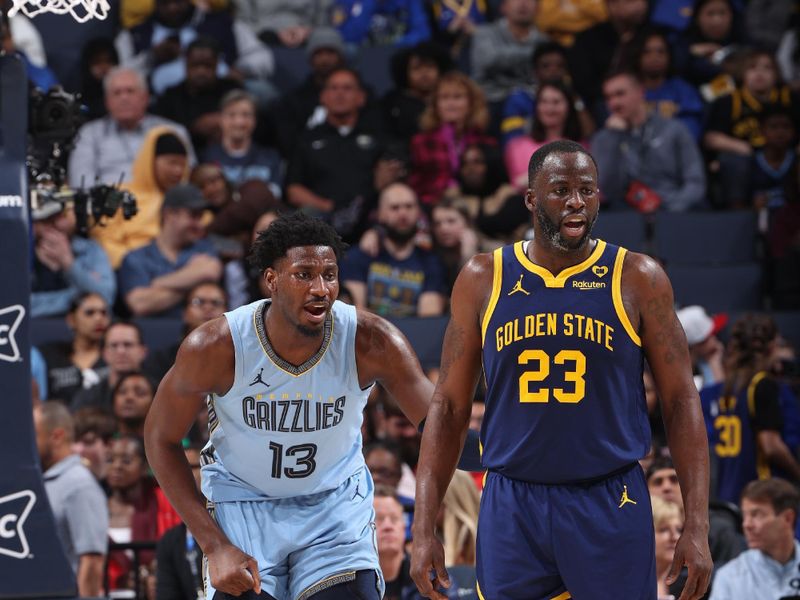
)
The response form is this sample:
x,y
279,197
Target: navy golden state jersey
x,y
563,365
732,438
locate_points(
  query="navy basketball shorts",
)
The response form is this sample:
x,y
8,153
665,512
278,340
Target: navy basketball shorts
x,y
587,541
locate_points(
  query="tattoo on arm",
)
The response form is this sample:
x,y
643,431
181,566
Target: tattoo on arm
x,y
662,316
454,342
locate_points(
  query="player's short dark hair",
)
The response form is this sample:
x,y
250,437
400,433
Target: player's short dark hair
x,y
292,231
780,494
558,147
659,463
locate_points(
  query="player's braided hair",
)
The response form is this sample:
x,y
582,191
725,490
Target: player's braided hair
x,y
291,231
748,348
558,147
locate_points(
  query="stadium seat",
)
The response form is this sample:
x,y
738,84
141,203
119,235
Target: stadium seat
x,y
626,229
425,335
706,238
291,68
722,288
374,66
158,333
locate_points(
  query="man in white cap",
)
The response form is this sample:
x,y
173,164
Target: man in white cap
x,y
705,348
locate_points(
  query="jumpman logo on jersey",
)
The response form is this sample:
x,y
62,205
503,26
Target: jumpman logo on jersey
x,y
358,493
258,378
625,500
518,287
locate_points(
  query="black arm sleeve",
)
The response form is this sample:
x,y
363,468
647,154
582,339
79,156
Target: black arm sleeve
x,y
767,408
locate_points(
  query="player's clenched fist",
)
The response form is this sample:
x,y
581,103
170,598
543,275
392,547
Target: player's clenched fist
x,y
232,571
427,557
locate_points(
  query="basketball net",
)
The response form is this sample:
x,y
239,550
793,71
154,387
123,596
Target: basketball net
x,y
81,10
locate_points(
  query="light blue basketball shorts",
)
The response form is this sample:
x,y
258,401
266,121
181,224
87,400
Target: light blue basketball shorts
x,y
301,544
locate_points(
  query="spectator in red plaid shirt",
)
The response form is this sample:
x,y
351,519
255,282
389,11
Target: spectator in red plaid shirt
x,y
455,118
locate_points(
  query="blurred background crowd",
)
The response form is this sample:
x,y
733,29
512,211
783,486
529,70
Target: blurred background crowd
x,y
408,125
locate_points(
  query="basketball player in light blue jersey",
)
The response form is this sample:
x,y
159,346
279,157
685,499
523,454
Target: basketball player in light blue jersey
x,y
286,380
560,327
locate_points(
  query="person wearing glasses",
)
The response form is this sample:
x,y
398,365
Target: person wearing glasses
x,y
203,302
123,351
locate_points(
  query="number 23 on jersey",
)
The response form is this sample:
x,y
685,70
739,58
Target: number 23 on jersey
x,y
539,370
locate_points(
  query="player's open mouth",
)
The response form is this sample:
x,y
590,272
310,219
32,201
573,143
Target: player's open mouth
x,y
574,227
316,312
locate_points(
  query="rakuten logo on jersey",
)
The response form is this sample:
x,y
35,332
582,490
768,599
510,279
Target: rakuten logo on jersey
x,y
14,510
10,319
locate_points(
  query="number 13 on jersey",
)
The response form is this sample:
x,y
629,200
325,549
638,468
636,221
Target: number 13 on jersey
x,y
539,361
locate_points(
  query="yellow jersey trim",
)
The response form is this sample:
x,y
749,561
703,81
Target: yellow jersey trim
x,y
616,295
558,281
478,589
497,284
762,464
751,391
562,596
285,365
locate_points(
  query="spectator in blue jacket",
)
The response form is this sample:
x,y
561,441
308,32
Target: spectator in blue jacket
x,y
64,264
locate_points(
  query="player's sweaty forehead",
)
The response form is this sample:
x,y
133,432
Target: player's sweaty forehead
x,y
311,256
559,166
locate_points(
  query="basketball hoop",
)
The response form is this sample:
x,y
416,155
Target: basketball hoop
x,y
81,10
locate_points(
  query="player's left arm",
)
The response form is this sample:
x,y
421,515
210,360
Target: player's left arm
x,y
648,299
385,356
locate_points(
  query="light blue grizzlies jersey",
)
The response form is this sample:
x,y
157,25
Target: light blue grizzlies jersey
x,y
284,430
563,365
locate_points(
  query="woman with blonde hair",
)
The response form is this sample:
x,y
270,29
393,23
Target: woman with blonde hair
x,y
668,525
456,117
459,520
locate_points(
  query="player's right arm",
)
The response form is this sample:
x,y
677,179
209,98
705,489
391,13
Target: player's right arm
x,y
448,419
204,365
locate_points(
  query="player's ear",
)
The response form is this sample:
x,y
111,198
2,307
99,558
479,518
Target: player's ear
x,y
270,275
529,199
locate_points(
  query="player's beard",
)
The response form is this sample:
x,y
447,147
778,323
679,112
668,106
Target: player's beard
x,y
552,231
312,332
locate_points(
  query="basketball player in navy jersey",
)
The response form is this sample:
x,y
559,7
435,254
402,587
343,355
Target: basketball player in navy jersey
x,y
561,325
287,380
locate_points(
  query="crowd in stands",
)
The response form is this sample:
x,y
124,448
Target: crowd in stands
x,y
687,107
